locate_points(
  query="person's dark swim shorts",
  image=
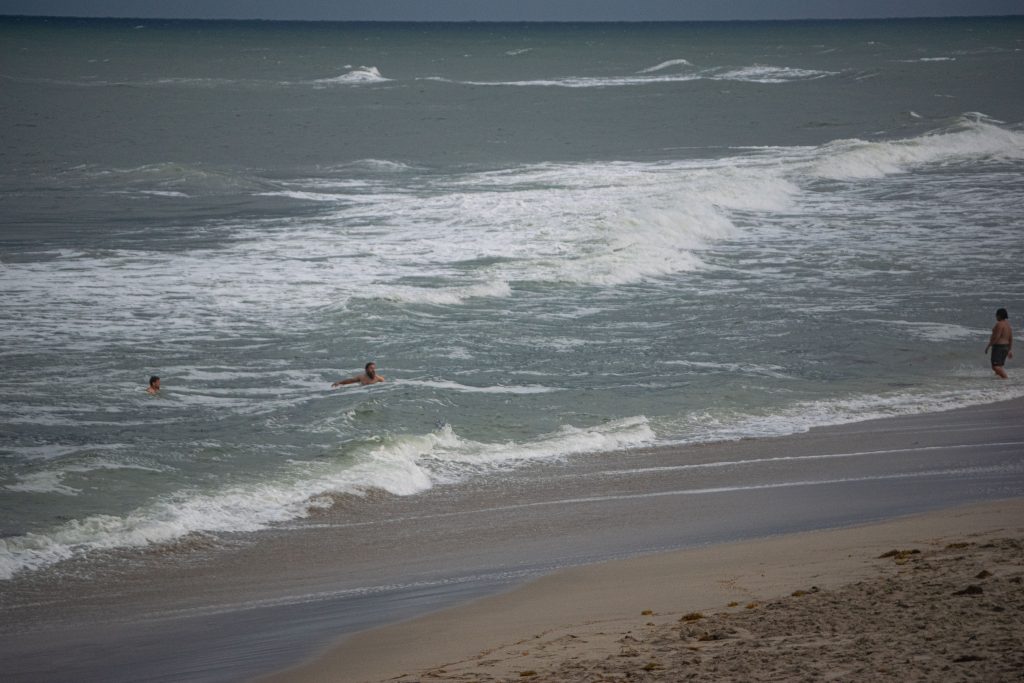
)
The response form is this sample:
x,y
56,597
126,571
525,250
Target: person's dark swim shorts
x,y
999,352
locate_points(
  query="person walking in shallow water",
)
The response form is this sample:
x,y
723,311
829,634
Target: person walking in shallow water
x,y
1001,342
368,376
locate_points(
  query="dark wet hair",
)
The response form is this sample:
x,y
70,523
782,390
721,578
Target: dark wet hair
x,y
153,378
1001,314
367,366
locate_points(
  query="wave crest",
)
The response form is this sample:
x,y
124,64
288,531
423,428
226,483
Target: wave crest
x,y
357,76
971,138
400,465
665,65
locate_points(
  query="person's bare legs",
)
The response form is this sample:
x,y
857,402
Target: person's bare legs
x,y
998,369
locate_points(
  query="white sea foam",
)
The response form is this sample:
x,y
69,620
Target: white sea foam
x,y
773,371
592,223
936,332
402,465
497,389
614,435
51,451
408,464
580,81
602,224
381,165
705,427
665,65
646,243
308,196
445,295
750,74
192,82
770,74
971,139
164,193
357,76
52,481
43,482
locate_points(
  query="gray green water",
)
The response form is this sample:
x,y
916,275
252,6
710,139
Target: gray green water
x,y
553,239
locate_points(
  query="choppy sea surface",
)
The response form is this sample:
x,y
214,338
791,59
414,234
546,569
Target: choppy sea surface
x,y
553,240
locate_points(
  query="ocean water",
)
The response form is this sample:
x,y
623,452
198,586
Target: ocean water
x,y
553,240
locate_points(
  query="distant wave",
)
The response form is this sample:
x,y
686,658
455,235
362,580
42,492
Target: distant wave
x,y
379,165
973,137
370,75
574,81
749,74
357,76
169,179
771,74
665,65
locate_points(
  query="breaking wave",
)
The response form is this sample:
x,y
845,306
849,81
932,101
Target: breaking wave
x,y
357,76
400,465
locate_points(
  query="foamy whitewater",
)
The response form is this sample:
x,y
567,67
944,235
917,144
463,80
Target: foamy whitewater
x,y
553,241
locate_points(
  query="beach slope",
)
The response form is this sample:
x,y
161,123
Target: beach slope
x,y
936,596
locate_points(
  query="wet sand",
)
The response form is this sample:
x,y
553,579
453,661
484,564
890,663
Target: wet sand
x,y
230,608
929,597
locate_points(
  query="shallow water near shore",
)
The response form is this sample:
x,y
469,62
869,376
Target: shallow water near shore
x,y
553,241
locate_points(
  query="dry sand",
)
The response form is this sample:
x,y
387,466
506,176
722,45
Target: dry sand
x,y
947,605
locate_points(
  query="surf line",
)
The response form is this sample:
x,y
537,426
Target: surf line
x,y
781,458
659,494
751,487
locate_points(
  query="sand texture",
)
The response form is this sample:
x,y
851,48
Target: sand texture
x,y
932,597
954,613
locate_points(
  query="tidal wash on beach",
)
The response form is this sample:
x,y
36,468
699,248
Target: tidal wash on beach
x,y
553,240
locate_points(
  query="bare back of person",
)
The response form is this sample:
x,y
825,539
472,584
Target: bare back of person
x,y
1002,333
1001,343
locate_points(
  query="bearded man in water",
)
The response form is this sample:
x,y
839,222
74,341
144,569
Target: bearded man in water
x,y
369,376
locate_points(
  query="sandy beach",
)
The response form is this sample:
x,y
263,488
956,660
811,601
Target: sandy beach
x,y
926,598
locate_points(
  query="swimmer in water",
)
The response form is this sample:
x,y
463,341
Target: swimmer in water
x,y
369,376
154,386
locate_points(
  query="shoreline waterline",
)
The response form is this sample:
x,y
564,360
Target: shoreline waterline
x,y
288,594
